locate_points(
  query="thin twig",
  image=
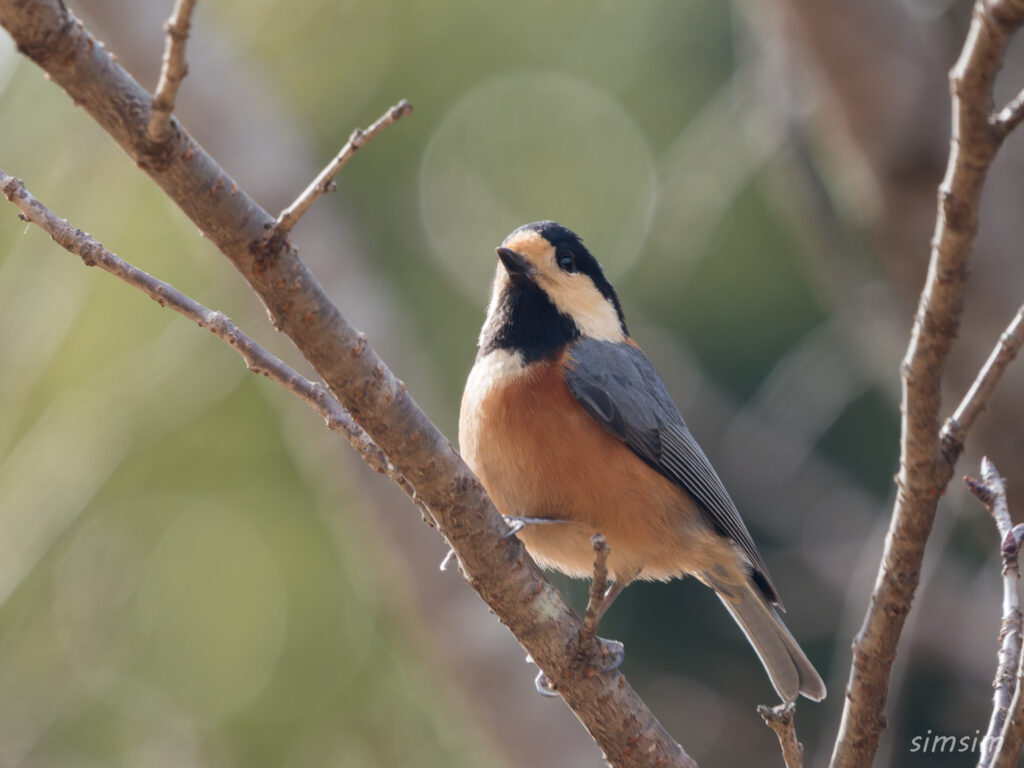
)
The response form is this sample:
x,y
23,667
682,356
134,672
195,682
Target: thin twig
x,y
256,358
781,719
172,72
991,490
976,400
1009,745
926,462
598,586
1011,739
324,182
1010,116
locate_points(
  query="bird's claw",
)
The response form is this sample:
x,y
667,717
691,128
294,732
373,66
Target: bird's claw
x,y
515,525
447,560
544,686
612,654
609,657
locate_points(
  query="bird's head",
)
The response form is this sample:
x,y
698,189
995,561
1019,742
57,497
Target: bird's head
x,y
548,290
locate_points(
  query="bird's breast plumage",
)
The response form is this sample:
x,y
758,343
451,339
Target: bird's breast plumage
x,y
540,454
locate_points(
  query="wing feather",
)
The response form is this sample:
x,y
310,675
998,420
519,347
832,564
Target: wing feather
x,y
619,387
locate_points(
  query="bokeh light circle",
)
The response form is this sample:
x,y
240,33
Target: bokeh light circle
x,y
531,146
212,612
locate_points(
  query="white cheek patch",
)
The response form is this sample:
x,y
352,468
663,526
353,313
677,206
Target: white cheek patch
x,y
576,295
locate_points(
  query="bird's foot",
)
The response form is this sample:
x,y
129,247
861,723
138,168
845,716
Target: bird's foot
x,y
596,652
602,656
599,655
516,524
544,686
612,654
541,682
592,654
447,560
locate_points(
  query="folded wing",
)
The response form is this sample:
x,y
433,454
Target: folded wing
x,y
618,386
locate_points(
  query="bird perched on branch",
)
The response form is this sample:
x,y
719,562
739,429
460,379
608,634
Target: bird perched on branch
x,y
572,432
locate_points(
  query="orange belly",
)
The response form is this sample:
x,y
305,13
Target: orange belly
x,y
539,454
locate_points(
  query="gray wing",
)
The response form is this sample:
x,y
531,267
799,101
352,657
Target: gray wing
x,y
618,386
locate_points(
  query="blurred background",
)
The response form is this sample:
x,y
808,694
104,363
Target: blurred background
x,y
194,572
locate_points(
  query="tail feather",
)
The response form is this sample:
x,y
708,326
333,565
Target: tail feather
x,y
788,667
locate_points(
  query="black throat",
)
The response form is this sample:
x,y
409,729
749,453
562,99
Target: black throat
x,y
525,321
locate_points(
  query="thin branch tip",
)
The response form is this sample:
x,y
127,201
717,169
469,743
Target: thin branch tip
x,y
402,109
173,70
781,718
598,588
1009,117
1003,738
982,388
324,182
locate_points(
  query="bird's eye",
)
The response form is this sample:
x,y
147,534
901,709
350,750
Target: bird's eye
x,y
567,261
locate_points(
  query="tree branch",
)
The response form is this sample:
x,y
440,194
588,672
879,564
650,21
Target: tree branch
x,y
925,468
1012,737
782,719
498,568
324,182
598,585
1009,117
257,359
991,490
976,400
1008,750
173,71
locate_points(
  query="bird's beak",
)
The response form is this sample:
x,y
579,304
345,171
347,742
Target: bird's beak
x,y
515,264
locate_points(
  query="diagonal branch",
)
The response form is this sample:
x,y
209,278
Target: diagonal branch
x,y
172,72
976,400
498,568
257,359
324,182
1009,117
925,467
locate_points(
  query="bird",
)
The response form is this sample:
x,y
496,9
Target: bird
x,y
572,432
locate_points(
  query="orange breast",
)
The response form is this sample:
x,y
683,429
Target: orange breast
x,y
539,454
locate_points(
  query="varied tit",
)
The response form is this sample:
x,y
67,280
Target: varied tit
x,y
566,422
